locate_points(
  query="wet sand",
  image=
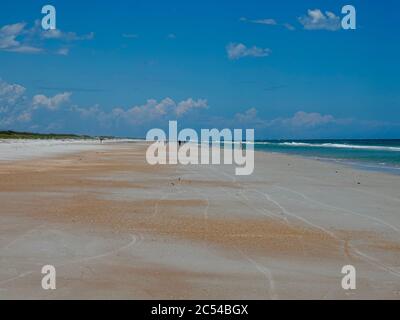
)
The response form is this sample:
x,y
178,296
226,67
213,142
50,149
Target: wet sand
x,y
117,228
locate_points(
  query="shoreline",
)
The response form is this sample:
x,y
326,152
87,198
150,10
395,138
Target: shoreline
x,y
56,147
356,165
365,166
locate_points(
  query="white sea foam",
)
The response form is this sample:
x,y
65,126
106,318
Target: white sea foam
x,y
332,145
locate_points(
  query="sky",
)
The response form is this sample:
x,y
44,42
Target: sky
x,y
285,68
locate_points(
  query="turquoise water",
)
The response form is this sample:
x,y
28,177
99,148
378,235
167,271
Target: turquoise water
x,y
367,154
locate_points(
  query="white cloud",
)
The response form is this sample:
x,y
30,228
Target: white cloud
x,y
17,38
184,106
16,109
152,111
289,26
19,112
270,22
87,112
8,35
25,49
304,119
239,50
65,36
309,125
156,110
9,42
248,116
12,102
25,116
317,20
51,103
63,51
300,119
10,93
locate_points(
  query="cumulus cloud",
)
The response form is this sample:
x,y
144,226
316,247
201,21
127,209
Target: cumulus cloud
x,y
9,42
239,50
9,33
10,93
12,102
50,103
16,108
300,119
151,113
40,112
246,119
317,20
304,119
25,116
249,118
87,112
154,110
184,106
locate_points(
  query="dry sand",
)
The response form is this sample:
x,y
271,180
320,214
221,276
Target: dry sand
x,y
116,227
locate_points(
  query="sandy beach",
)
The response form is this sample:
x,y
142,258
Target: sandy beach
x,y
117,228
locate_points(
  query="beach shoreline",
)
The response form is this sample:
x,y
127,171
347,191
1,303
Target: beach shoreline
x,y
117,228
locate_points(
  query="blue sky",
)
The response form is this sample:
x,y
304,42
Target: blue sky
x,y
285,68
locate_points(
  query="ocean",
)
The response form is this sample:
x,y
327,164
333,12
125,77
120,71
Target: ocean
x,y
381,155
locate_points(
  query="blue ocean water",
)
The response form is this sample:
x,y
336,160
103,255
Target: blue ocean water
x,y
382,155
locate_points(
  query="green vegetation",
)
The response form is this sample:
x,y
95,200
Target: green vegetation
x,y
30,135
